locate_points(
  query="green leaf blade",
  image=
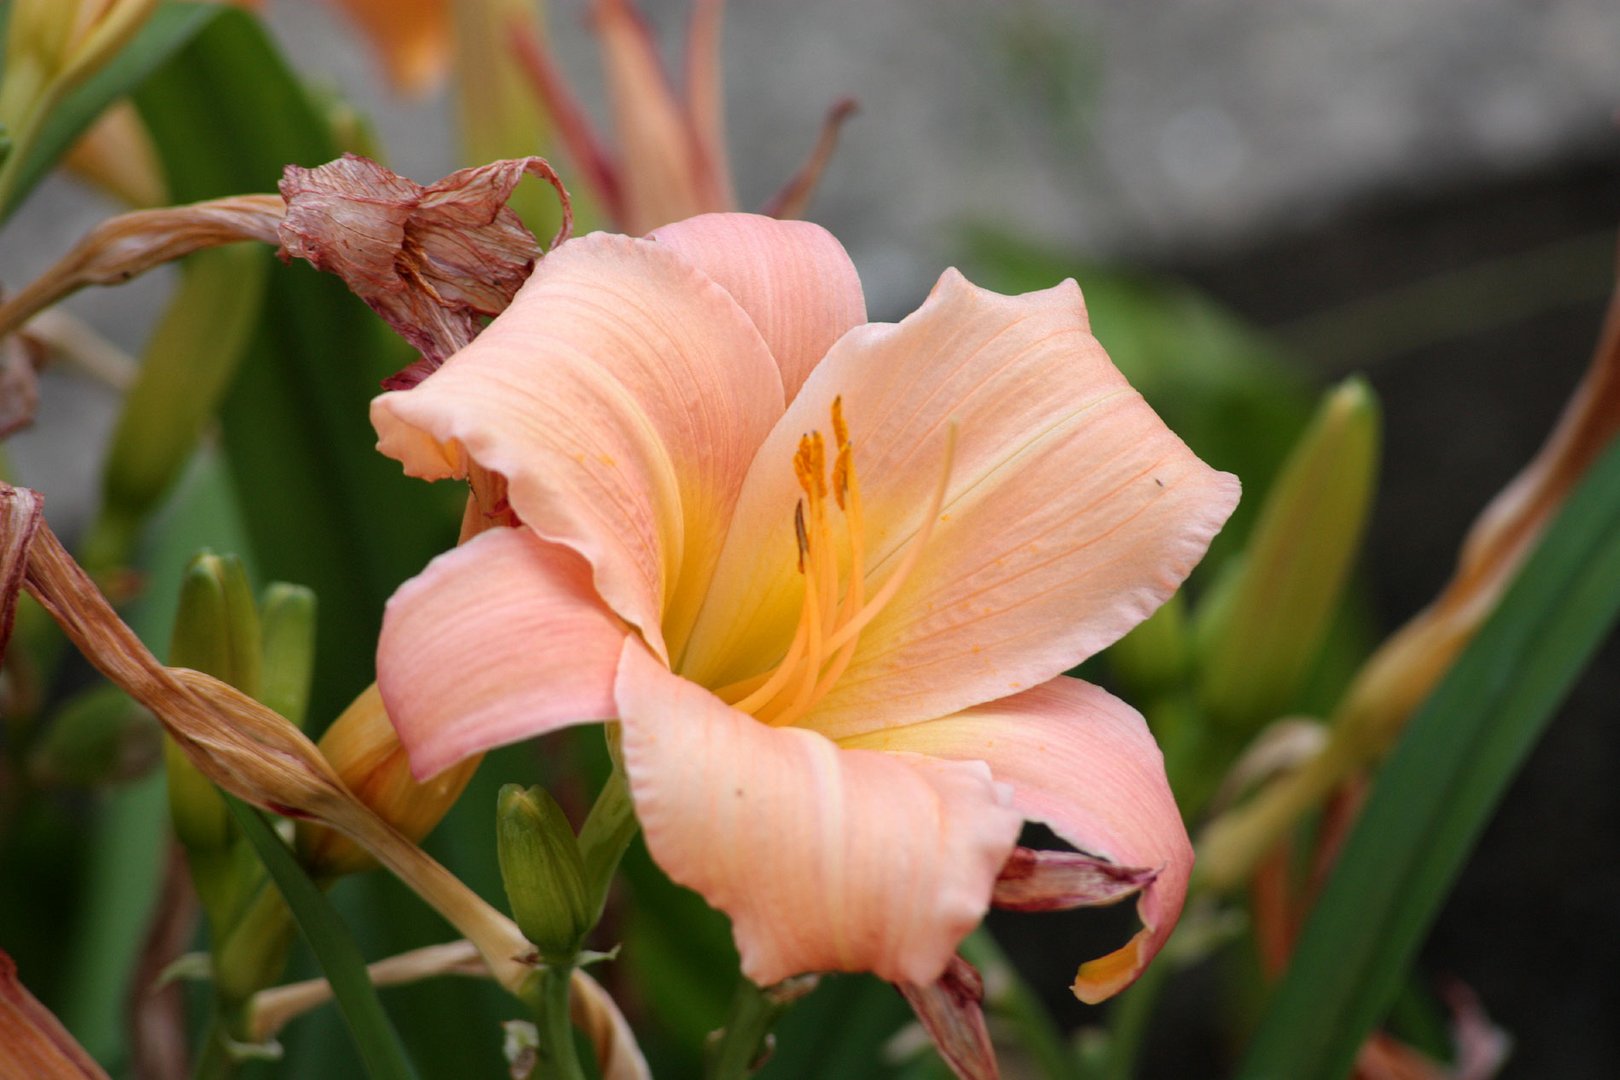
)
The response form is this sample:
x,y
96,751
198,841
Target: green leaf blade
x,y
336,952
1434,798
170,28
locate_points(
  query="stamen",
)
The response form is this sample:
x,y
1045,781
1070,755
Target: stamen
x,y
799,533
829,627
913,553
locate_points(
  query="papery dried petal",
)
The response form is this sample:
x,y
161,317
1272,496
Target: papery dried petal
x,y
20,517
432,261
19,386
951,1010
34,1043
1059,880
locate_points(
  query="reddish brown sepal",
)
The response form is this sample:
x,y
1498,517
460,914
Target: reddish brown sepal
x,y
20,359
33,1043
951,1010
19,521
1059,880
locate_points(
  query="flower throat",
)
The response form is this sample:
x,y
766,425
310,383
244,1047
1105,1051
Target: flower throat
x,y
834,612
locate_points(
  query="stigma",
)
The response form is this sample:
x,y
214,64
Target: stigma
x,y
837,605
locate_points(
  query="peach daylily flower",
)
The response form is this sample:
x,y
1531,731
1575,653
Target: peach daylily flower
x,y
826,574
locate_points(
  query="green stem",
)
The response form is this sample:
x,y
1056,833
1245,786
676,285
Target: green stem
x,y
559,1058
1129,1022
735,1050
214,1061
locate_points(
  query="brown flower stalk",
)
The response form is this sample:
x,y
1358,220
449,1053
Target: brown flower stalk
x,y
237,743
127,246
33,1042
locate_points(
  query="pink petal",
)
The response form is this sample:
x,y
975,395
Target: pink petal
x,y
705,97
1082,762
497,640
825,859
793,278
662,172
568,118
1071,513
622,396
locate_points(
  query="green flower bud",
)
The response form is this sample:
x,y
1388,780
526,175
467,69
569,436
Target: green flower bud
x,y
287,621
1258,645
1156,656
187,365
216,630
101,736
543,872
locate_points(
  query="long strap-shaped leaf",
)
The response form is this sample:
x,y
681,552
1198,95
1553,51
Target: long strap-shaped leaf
x,y
1436,794
334,949
169,29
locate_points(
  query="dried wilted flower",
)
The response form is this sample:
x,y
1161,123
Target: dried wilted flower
x,y
34,1042
233,740
432,261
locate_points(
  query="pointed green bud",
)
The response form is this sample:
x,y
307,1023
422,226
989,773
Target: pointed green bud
x,y
287,622
187,366
1258,645
101,736
216,631
1157,655
543,872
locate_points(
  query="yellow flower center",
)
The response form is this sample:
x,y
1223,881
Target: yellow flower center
x,y
834,611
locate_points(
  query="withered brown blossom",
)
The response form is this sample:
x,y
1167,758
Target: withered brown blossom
x,y
433,261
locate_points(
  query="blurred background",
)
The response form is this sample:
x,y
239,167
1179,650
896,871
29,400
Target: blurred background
x,y
1423,191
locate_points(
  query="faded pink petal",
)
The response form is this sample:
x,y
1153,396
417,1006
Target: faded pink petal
x,y
793,278
1071,513
1083,763
662,175
568,117
452,689
825,859
951,1010
622,396
705,98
